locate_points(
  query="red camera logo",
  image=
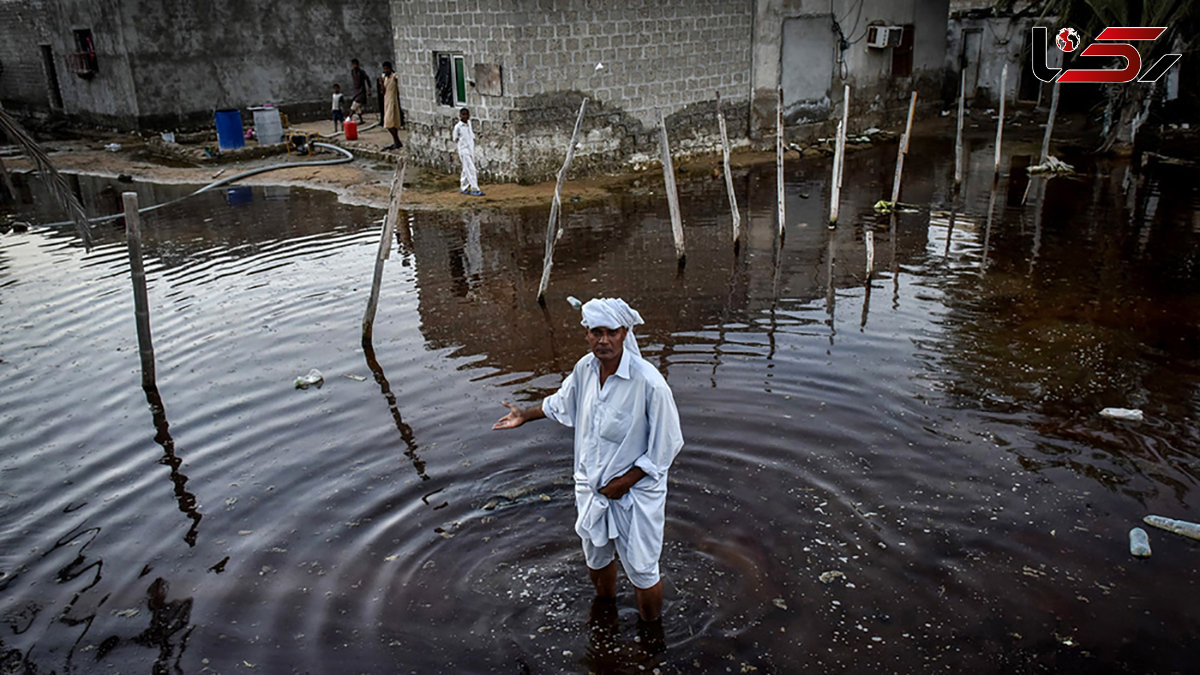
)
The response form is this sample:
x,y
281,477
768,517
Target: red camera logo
x,y
1112,41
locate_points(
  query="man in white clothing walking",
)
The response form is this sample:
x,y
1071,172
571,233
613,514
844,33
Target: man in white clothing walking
x,y
464,136
626,436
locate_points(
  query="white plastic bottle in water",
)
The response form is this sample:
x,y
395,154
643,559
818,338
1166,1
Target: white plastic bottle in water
x,y
1139,543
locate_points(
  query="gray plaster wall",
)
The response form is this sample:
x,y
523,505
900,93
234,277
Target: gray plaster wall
x,y
1002,42
107,97
791,52
667,57
166,64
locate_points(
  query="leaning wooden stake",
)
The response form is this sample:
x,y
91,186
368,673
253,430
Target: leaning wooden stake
x,y
1049,126
839,158
958,139
779,188
902,151
553,230
385,250
733,205
1000,121
668,168
141,302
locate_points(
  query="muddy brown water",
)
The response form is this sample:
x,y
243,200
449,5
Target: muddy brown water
x,y
900,472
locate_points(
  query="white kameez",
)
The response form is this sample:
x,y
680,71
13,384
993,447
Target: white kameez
x,y
630,421
464,138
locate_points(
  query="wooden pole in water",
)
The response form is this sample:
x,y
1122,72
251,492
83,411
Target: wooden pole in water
x,y
668,168
958,141
839,158
137,272
733,205
870,237
902,151
834,186
553,231
385,249
1000,121
1049,126
779,186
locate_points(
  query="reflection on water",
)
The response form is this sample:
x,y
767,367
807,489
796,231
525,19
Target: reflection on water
x,y
893,460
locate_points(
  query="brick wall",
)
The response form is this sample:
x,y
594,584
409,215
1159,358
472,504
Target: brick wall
x,y
668,56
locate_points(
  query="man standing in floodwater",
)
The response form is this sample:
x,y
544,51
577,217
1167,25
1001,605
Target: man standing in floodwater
x,y
626,436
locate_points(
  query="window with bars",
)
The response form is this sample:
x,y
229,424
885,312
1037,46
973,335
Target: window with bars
x,y
450,78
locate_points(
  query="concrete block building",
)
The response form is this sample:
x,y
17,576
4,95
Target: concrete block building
x,y
524,66
155,64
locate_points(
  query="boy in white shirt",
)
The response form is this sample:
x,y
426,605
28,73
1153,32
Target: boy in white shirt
x,y
464,136
337,114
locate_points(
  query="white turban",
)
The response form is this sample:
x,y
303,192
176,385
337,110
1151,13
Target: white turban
x,y
613,313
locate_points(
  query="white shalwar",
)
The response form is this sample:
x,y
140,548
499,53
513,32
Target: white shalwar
x,y
464,136
630,421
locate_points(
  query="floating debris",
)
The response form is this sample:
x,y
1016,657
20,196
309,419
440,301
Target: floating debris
x,y
1139,543
830,576
1053,165
1124,414
313,378
780,603
885,206
1182,527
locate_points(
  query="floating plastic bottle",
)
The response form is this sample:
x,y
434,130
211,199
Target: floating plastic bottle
x,y
313,378
1124,414
1191,530
1139,543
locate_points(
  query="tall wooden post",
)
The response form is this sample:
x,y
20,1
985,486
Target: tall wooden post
x,y
1000,121
902,151
779,184
1049,126
733,205
385,249
958,139
839,159
141,302
668,168
553,230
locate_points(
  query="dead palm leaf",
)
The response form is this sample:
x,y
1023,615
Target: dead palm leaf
x,y
57,184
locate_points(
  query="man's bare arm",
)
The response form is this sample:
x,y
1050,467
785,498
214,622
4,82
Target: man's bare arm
x,y
618,486
517,416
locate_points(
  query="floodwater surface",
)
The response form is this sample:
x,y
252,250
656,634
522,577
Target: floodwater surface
x,y
894,469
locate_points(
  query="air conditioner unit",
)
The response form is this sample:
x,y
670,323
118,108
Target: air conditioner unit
x,y
882,37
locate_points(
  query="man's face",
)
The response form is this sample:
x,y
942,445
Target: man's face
x,y
464,115
607,343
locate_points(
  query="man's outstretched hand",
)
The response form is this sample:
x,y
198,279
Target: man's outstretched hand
x,y
512,420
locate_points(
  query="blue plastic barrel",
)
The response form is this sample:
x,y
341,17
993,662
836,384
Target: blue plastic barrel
x,y
229,129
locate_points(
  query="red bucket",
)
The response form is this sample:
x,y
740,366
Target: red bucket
x,y
351,130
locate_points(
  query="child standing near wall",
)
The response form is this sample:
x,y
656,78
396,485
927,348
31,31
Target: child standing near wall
x,y
464,136
338,115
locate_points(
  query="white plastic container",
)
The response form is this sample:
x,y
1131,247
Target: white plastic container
x,y
267,125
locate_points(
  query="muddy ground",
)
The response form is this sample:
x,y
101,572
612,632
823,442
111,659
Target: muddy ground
x,y
367,179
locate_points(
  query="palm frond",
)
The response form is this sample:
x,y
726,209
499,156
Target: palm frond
x,y
58,185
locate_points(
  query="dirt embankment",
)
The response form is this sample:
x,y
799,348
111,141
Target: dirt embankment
x,y
368,178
